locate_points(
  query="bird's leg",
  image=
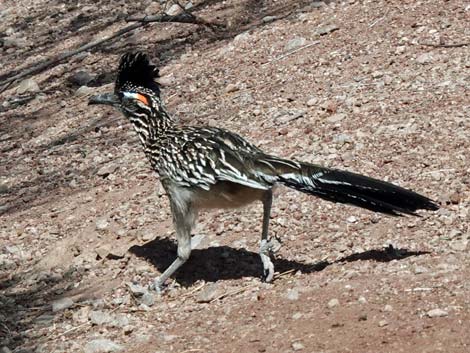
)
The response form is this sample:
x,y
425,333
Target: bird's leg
x,y
183,219
265,245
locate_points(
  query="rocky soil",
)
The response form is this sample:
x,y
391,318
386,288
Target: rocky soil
x,y
377,87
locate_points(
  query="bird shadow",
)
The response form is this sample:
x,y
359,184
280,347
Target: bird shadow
x,y
224,262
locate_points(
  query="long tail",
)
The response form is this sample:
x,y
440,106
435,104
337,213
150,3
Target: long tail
x,y
350,188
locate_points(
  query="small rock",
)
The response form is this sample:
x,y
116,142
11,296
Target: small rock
x,y
80,78
174,10
333,303
459,245
326,29
297,316
98,317
153,8
61,304
295,43
5,349
102,345
121,320
293,294
420,269
297,346
101,224
455,198
425,58
268,19
312,102
335,118
3,189
84,91
437,313
351,219
231,88
136,289
209,293
362,300
362,317
27,86
147,299
106,170
388,308
189,5
318,4
12,42
383,323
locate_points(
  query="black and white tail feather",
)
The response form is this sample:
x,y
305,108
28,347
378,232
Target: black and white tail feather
x,y
349,188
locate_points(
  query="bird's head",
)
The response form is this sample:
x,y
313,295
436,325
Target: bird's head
x,y
135,90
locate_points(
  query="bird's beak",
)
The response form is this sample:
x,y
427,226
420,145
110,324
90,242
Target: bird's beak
x,y
105,98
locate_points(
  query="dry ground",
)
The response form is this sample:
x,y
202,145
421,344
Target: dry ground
x,y
83,216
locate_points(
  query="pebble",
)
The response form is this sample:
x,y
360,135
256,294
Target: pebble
x,y
102,345
335,118
297,316
98,317
61,304
383,323
80,78
425,58
209,293
351,219
148,299
231,88
136,289
326,29
362,300
293,294
388,308
121,320
12,42
297,346
268,19
5,349
437,313
333,303
459,245
84,91
420,269
27,86
106,170
101,224
295,43
312,102
174,10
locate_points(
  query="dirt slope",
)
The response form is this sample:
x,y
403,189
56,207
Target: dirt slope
x,y
376,87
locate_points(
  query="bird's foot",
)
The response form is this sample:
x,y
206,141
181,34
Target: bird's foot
x,y
266,248
157,285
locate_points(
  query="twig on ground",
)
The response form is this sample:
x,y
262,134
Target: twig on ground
x,y
194,290
444,45
227,294
291,52
285,273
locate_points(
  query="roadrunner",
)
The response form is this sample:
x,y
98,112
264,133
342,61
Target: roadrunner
x,y
208,167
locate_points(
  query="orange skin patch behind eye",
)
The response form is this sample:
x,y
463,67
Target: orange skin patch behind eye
x,y
143,99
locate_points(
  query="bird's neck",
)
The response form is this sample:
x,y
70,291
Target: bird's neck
x,y
153,126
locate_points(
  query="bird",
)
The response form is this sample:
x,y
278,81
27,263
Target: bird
x,y
205,167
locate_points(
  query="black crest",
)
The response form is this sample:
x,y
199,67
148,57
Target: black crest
x,y
135,70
